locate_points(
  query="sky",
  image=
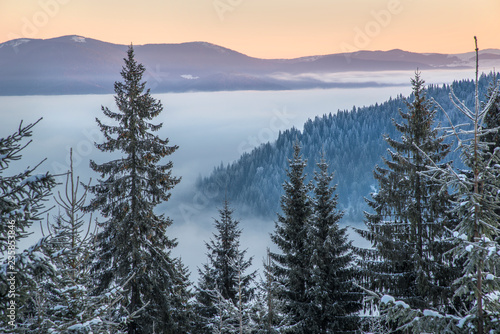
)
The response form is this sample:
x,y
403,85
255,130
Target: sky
x,y
264,28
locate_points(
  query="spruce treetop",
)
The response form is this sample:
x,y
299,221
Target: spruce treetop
x,y
411,219
133,245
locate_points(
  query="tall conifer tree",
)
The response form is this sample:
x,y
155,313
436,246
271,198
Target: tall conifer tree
x,y
407,227
333,298
291,267
133,245
65,304
476,204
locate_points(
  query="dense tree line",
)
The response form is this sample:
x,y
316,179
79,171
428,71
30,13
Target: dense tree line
x,y
314,269
433,223
352,144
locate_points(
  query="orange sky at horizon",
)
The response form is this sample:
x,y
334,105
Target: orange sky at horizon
x,y
264,28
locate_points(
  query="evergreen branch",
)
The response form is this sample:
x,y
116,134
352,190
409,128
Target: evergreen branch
x,y
453,127
461,106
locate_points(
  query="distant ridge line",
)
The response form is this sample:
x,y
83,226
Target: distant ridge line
x,y
75,64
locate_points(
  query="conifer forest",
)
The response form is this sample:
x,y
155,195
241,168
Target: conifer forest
x,y
422,172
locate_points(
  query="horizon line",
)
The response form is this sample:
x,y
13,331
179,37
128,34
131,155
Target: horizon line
x,y
225,47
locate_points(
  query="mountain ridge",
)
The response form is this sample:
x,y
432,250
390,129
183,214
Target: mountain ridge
x,y
75,64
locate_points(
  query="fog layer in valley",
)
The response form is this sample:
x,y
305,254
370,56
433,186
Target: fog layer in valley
x,y
209,128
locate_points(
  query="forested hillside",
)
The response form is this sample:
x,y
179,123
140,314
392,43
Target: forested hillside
x,y
352,141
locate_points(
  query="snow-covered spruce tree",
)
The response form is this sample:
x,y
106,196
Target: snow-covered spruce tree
x,y
476,203
230,318
133,245
22,197
291,266
260,312
333,298
266,307
408,226
64,302
224,290
225,318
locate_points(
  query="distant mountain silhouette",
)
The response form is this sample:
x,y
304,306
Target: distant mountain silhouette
x,y
79,65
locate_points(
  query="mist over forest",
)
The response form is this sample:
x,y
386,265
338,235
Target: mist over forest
x,y
351,141
250,209
214,129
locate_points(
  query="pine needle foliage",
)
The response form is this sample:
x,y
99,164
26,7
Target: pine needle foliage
x,y
291,266
133,245
225,290
410,223
22,203
333,298
476,203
